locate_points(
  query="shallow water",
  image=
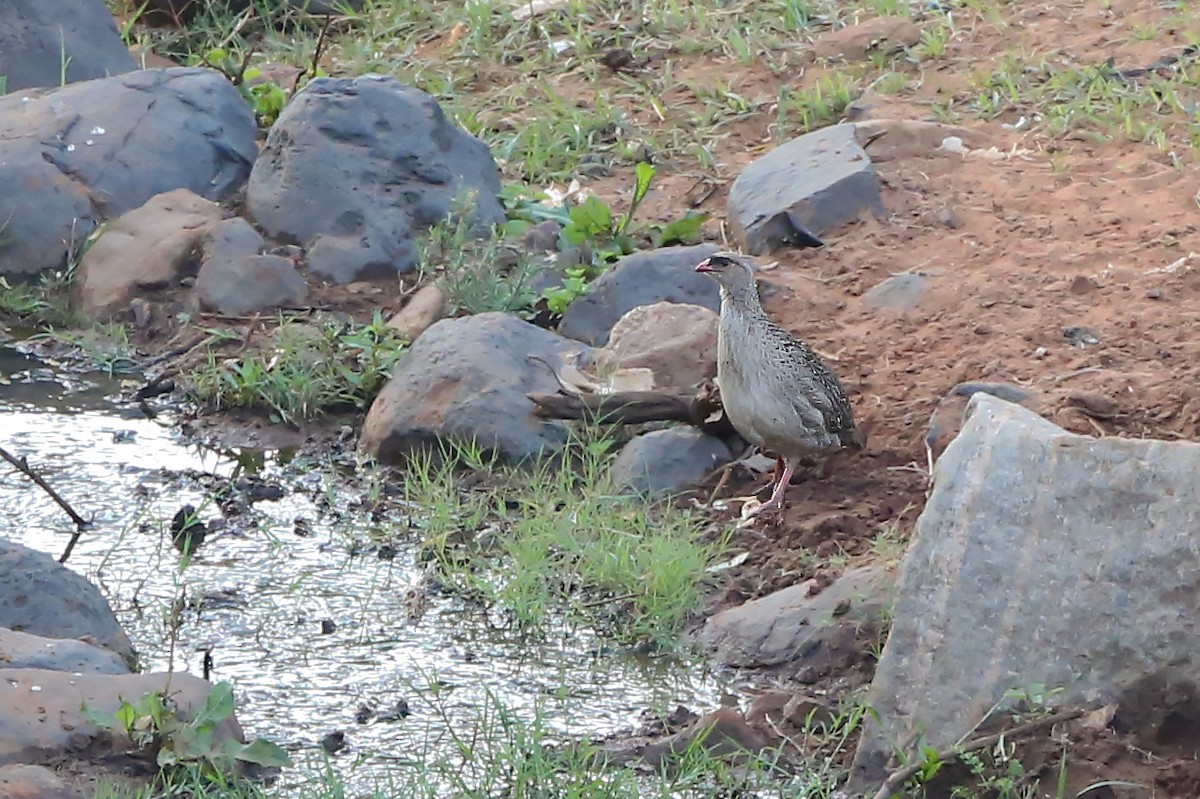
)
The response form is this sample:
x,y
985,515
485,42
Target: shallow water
x,y
259,591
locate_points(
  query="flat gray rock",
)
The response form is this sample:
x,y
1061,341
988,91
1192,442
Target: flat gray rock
x,y
667,274
665,462
1041,557
74,157
801,189
36,35
39,595
44,714
468,379
801,625
26,651
250,283
355,169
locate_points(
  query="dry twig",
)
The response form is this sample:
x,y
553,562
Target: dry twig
x,y
81,523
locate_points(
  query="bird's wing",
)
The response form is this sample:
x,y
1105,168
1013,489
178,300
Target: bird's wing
x,y
824,391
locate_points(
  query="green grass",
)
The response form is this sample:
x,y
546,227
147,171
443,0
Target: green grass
x,y
42,303
305,370
495,749
553,544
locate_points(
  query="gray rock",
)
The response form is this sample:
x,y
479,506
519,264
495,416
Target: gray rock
x,y
467,379
147,250
356,168
1041,557
898,292
40,596
26,651
665,462
232,239
799,627
250,283
803,189
36,36
74,157
31,696
22,781
667,274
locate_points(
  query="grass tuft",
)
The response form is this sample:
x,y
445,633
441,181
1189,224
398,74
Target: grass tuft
x,y
554,543
307,370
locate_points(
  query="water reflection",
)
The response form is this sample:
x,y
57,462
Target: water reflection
x,y
307,633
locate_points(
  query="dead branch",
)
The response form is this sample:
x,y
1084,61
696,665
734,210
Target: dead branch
x,y
81,523
636,407
900,776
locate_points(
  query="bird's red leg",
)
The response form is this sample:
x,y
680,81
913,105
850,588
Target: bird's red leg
x,y
776,500
774,478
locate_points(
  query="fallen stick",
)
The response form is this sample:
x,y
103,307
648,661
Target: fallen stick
x,y
899,777
636,407
81,523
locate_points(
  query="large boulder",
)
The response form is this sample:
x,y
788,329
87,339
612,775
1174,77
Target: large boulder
x,y
74,157
146,250
51,42
41,596
355,169
466,380
1042,557
667,274
803,189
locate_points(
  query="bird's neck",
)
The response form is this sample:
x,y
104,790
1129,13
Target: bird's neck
x,y
743,301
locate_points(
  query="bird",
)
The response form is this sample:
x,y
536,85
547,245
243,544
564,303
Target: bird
x,y
777,392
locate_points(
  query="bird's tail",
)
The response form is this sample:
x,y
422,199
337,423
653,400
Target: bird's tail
x,y
854,438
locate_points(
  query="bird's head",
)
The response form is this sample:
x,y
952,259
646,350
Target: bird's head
x,y
732,272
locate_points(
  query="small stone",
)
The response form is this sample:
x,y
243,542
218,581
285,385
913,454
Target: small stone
x,y
950,218
902,292
425,307
1082,284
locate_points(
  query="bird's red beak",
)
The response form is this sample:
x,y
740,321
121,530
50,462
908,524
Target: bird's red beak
x,y
704,266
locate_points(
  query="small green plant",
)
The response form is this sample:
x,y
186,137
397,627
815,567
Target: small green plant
x,y
594,224
153,722
305,371
265,97
44,303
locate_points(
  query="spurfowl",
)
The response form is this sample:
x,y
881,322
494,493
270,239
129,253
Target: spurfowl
x,y
776,391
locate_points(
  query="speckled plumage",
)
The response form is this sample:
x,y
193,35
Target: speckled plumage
x,y
776,391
